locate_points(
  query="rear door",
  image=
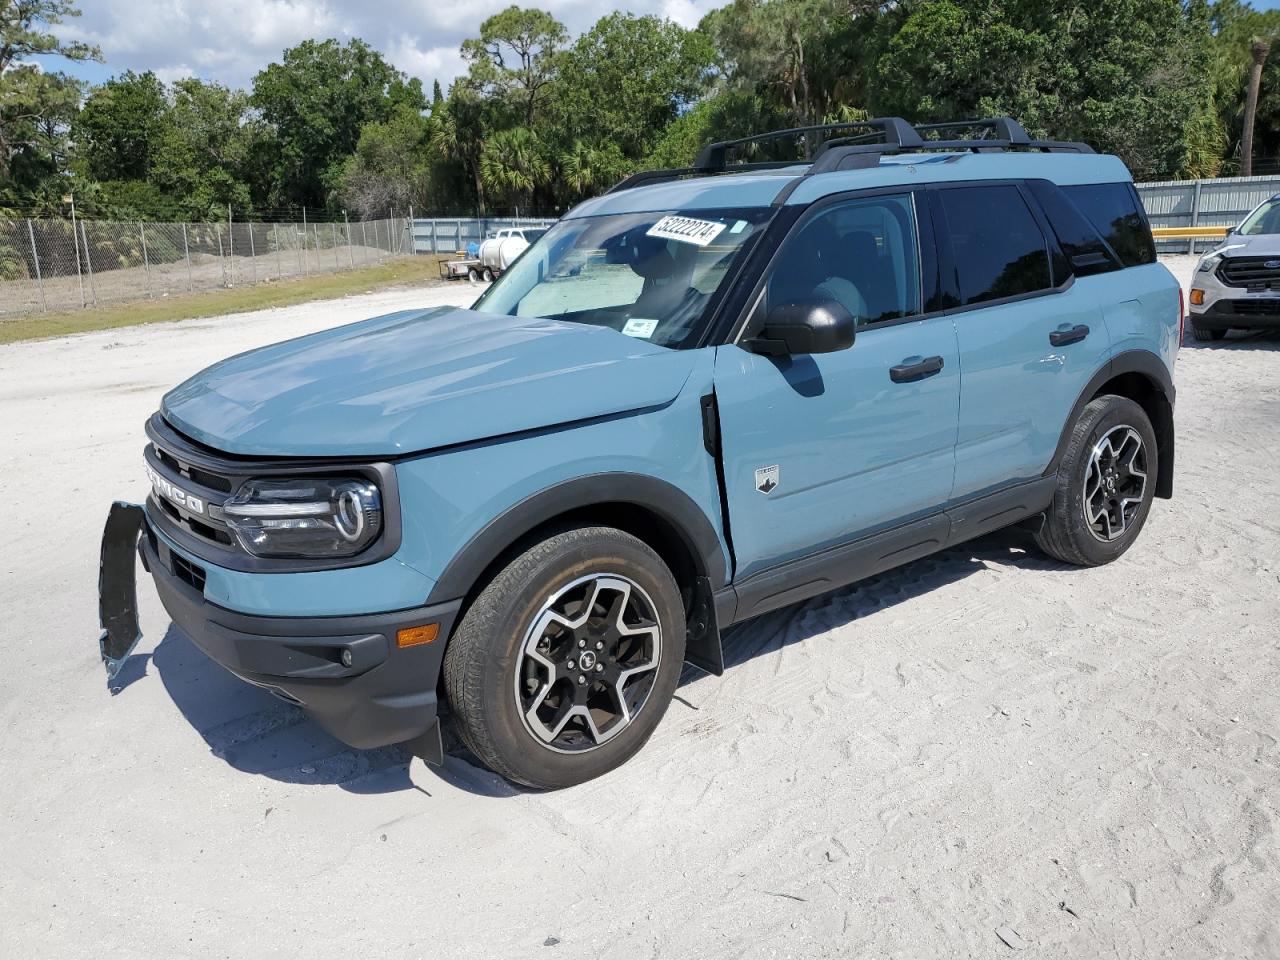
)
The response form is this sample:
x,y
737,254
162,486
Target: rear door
x,y
823,449
1030,337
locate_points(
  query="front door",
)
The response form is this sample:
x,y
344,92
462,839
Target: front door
x,y
825,448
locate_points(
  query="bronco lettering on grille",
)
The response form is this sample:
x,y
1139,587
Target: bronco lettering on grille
x,y
172,493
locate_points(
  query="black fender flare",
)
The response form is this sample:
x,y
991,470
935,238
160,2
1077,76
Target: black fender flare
x,y
1149,366
664,499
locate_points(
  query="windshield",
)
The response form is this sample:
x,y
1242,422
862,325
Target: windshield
x,y
654,276
1266,219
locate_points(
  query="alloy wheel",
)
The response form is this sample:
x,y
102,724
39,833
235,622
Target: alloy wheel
x,y
1115,483
588,662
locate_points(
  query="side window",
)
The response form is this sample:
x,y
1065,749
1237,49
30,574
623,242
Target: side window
x,y
864,254
996,243
1079,239
1115,210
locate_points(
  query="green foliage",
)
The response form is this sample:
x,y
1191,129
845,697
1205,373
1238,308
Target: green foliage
x,y
120,125
515,61
316,101
541,120
389,169
1124,75
626,79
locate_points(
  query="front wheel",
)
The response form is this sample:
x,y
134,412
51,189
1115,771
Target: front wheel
x,y
1106,483
567,660
1205,334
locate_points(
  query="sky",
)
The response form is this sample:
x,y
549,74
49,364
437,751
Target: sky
x,y
228,41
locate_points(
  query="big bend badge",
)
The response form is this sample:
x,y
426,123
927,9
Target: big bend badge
x,y
767,479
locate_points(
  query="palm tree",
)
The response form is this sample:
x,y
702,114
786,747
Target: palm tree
x,y
513,164
1261,48
456,141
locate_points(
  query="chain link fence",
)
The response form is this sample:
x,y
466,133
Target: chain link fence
x,y
52,265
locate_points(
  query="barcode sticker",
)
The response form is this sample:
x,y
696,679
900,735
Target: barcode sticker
x,y
686,230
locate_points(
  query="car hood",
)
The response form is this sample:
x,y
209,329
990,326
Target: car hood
x,y
1238,245
417,380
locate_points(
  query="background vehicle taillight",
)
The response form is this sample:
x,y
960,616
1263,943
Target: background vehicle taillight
x,y
1182,314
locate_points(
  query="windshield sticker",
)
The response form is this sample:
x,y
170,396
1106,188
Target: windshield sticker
x,y
686,230
739,226
638,327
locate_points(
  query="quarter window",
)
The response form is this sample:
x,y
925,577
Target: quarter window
x,y
1114,209
996,243
1078,237
863,254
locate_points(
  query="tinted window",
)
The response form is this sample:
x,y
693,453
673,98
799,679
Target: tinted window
x,y
1114,209
1078,237
864,254
996,243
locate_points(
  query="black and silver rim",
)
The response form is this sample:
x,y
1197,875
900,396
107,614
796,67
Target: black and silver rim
x,y
588,663
1115,483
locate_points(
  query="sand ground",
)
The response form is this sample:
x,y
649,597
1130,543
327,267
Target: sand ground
x,y
980,753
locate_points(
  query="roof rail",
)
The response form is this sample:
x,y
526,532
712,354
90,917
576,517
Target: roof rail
x,y
883,136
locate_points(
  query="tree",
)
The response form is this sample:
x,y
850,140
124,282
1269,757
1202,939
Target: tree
x,y
119,126
316,101
205,157
627,78
35,107
1259,49
1125,75
804,55
458,132
514,165
516,58
389,167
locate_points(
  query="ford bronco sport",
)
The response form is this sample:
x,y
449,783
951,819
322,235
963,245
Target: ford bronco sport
x,y
708,393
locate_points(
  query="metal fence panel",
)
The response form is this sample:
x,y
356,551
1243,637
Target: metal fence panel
x,y
1220,202
452,234
51,266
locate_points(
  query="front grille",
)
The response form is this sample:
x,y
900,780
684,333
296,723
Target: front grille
x,y
188,572
1262,272
1268,307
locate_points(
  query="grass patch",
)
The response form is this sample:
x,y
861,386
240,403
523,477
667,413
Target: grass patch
x,y
213,303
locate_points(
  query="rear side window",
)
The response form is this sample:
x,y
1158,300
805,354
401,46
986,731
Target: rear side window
x,y
1115,210
996,243
1079,239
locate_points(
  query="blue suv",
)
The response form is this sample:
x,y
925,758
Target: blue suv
x,y
707,394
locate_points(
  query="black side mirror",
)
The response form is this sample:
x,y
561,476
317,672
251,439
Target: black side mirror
x,y
804,326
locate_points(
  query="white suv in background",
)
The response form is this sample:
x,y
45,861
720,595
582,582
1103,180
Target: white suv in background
x,y
1237,284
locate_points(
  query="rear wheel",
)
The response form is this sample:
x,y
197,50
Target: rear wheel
x,y
567,660
487,275
473,274
1106,483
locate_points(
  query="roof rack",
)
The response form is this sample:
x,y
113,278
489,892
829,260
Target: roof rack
x,y
861,150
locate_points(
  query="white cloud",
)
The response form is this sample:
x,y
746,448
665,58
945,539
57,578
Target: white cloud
x,y
231,40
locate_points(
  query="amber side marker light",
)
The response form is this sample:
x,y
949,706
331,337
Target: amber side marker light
x,y
1197,298
416,636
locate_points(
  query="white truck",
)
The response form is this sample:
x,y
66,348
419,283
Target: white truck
x,y
495,254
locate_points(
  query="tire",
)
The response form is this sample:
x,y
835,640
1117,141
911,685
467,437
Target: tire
x,y
505,695
487,275
1205,334
1096,475
473,275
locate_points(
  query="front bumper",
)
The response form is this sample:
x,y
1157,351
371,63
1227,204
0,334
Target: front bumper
x,y
346,672
1239,312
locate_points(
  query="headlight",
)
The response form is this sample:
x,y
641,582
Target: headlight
x,y
308,517
1209,263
